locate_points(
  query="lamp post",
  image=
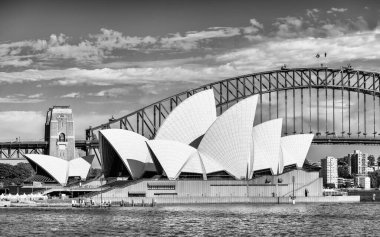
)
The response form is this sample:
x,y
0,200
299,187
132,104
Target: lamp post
x,y
293,196
246,178
293,179
101,191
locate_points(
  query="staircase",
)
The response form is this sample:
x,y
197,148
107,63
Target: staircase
x,y
295,190
113,185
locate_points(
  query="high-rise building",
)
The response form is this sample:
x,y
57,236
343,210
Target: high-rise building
x,y
329,170
343,183
59,132
359,163
363,182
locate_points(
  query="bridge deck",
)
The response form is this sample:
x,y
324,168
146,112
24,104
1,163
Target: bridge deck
x,y
14,150
81,144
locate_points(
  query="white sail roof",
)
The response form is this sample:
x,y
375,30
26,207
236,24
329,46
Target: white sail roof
x,y
171,155
211,165
193,164
56,167
267,145
190,119
229,139
130,147
78,167
295,148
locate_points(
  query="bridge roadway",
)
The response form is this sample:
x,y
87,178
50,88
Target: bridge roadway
x,y
80,144
14,150
9,150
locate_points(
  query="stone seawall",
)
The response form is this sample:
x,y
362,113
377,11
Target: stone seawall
x,y
211,200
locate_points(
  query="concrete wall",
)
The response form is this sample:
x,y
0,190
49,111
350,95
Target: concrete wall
x,y
223,188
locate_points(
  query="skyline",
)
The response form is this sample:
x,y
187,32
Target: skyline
x,y
108,60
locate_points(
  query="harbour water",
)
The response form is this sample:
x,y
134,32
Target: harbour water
x,y
195,220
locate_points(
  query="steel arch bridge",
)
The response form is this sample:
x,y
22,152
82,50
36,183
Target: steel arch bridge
x,y
337,105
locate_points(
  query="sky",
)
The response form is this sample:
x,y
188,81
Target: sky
x,y
109,58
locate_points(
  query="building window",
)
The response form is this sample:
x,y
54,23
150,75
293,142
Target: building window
x,y
62,137
132,194
165,194
161,187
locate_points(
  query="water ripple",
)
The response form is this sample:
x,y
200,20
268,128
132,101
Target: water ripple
x,y
195,220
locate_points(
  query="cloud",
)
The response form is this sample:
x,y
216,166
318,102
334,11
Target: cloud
x,y
102,102
22,53
17,100
107,76
110,39
191,39
157,63
288,26
195,39
270,53
15,62
298,27
301,51
39,95
334,10
113,92
72,95
256,24
251,30
84,51
95,48
293,40
111,47
11,121
311,12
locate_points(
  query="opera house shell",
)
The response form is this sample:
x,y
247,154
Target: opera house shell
x,y
195,143
50,169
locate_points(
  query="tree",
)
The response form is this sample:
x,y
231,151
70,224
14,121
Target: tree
x,y
371,160
344,172
342,162
10,174
330,185
348,184
375,178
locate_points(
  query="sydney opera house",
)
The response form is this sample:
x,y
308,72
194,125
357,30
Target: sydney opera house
x,y
197,153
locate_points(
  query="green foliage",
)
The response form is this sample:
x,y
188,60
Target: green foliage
x,y
344,172
375,179
348,185
371,160
342,162
16,174
330,185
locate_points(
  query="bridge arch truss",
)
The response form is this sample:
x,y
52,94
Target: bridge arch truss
x,y
331,103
